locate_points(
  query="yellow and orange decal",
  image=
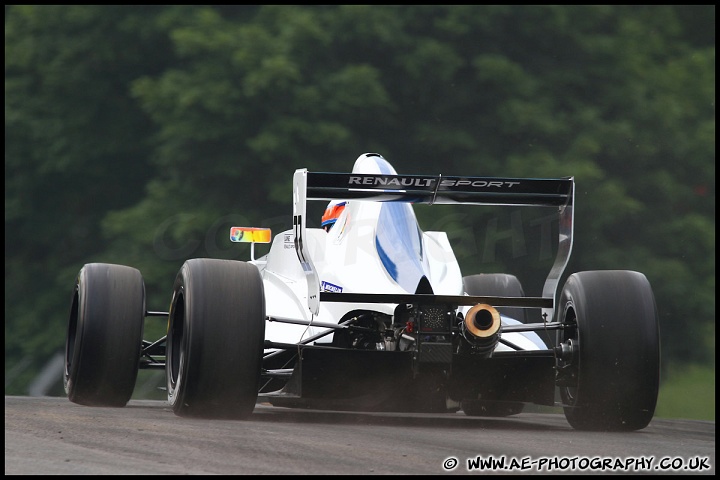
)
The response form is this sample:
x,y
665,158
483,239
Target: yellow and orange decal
x,y
250,235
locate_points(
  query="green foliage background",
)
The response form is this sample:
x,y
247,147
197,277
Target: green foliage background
x,y
139,134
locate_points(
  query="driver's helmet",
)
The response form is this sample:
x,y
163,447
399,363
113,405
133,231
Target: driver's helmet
x,y
332,212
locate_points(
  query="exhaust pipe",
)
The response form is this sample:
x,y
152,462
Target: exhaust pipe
x,y
481,328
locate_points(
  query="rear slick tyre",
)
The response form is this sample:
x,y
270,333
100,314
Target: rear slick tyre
x,y
104,336
215,339
497,285
611,374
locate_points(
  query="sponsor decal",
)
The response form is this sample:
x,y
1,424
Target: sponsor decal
x,y
250,235
402,182
329,287
478,183
391,181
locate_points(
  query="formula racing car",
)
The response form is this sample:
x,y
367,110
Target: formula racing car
x,y
371,313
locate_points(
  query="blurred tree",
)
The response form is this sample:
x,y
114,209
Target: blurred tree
x,y
76,147
179,121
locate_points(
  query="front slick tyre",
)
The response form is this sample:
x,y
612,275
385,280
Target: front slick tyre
x,y
104,336
215,339
611,379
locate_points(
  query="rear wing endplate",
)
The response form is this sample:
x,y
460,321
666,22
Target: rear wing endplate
x,y
435,189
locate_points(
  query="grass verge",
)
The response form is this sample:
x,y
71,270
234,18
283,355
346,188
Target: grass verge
x,y
687,392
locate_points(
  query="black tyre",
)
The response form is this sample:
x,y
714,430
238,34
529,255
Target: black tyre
x,y
496,285
215,339
104,336
609,373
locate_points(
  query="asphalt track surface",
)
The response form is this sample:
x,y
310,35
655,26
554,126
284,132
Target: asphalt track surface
x,y
52,436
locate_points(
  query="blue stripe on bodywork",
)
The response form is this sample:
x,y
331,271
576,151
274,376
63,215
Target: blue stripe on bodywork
x,y
398,241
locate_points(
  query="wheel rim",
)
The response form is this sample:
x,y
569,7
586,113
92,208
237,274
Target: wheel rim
x,y
568,360
176,343
71,336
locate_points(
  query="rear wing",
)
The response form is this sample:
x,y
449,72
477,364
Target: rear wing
x,y
435,189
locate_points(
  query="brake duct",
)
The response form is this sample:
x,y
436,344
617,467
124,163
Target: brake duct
x,y
481,327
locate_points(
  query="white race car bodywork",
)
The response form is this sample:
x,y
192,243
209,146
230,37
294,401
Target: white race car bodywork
x,y
374,247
